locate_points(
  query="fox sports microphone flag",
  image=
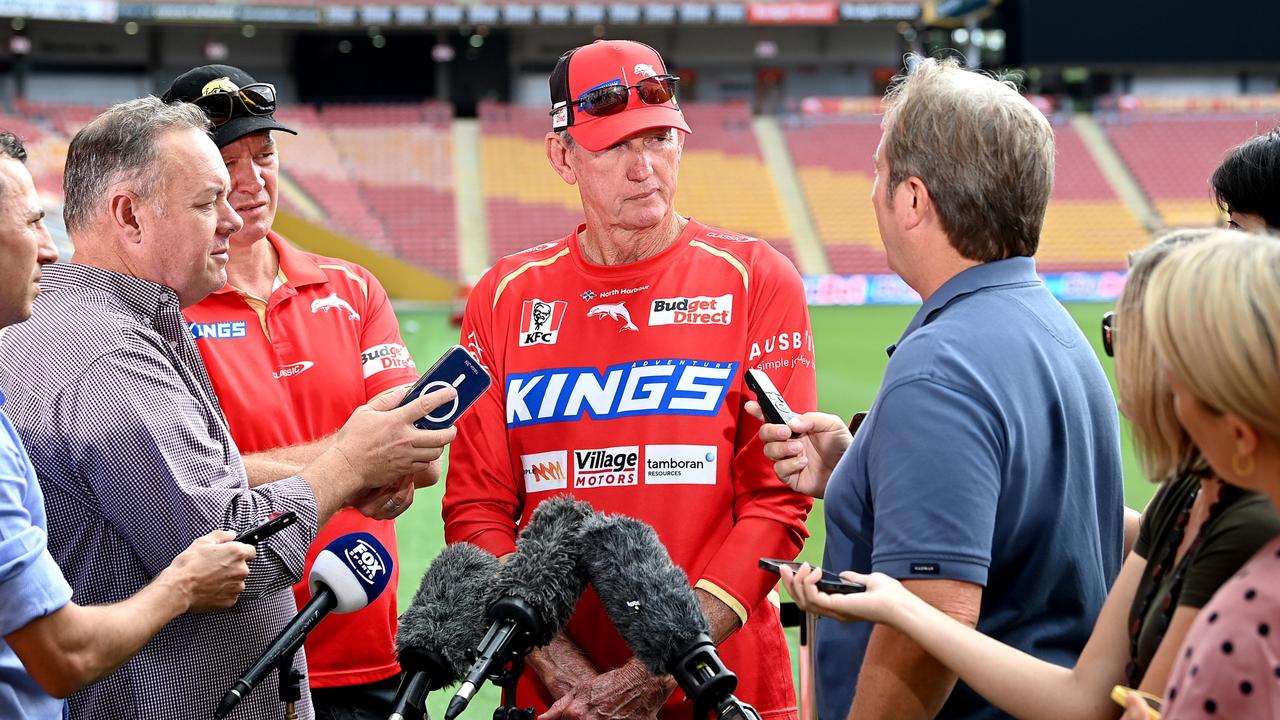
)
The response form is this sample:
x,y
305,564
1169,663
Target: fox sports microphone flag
x,y
356,567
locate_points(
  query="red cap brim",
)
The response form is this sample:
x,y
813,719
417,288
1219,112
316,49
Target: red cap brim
x,y
599,133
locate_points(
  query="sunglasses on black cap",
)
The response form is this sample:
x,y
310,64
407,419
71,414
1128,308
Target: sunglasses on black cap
x,y
220,98
612,99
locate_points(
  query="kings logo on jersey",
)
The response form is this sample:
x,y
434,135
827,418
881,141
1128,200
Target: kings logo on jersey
x,y
668,386
540,321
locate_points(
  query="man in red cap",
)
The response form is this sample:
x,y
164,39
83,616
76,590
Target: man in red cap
x,y
294,342
618,354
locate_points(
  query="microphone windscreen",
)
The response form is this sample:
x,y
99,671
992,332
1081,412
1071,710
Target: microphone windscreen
x,y
356,567
645,594
545,570
447,614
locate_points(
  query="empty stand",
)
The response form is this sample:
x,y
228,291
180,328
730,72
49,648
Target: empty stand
x,y
1173,155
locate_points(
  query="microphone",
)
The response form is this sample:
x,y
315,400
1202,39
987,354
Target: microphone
x,y
536,590
442,625
351,572
649,600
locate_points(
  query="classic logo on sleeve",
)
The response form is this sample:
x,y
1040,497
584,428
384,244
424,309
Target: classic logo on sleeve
x,y
540,321
680,464
644,387
218,330
387,356
606,467
701,310
545,471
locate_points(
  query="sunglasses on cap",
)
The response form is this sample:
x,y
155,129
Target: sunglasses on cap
x,y
1108,333
612,99
219,98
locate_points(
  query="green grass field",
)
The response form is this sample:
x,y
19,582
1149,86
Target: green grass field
x,y
850,345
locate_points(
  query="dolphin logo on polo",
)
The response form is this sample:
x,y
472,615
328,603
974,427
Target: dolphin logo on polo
x,y
614,311
333,302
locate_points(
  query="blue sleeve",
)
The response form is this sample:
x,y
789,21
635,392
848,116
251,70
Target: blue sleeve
x,y
31,583
935,472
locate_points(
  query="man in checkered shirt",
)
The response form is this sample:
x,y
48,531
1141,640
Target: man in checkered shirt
x,y
108,392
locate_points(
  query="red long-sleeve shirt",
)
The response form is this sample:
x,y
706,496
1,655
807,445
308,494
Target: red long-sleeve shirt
x,y
623,386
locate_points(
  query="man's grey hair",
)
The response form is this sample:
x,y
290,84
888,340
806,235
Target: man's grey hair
x,y
120,145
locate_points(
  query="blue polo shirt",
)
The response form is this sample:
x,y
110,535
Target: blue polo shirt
x,y
991,455
31,585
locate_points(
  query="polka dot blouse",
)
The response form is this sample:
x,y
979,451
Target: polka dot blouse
x,y
1229,665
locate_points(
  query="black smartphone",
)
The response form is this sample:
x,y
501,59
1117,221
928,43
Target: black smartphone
x,y
456,367
255,535
830,582
771,401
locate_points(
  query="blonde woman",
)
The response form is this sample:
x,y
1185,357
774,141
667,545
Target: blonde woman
x,y
1194,535
1214,317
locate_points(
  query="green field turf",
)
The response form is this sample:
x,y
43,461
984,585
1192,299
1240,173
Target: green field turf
x,y
850,343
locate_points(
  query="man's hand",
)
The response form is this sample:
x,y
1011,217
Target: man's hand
x,y
628,693
381,444
211,572
804,463
385,503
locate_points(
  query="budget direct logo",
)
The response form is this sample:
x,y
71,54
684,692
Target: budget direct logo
x,y
540,321
387,356
668,386
680,464
701,310
545,471
606,467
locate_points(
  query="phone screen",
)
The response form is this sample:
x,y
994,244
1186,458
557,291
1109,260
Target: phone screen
x,y
830,582
459,369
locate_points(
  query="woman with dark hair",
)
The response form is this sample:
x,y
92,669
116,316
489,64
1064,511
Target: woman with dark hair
x,y
1247,184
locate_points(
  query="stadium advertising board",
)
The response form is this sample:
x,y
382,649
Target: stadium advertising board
x,y
891,290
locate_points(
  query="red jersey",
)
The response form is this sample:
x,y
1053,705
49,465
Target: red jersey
x,y
623,386
292,370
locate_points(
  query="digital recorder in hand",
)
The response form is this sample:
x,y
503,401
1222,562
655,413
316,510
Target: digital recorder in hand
x,y
772,404
457,368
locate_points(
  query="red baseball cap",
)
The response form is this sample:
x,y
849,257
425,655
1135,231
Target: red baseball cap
x,y
619,64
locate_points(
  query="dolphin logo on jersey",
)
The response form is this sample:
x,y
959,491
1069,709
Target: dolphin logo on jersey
x,y
333,302
614,311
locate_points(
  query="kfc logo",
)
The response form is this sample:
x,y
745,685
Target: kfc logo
x,y
540,321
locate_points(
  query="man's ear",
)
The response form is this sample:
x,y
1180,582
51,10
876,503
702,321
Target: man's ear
x,y
124,217
915,203
558,156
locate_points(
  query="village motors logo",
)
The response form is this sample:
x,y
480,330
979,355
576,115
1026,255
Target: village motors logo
x,y
540,321
606,467
701,310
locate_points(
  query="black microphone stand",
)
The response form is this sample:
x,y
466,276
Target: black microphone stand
x,y
508,679
290,685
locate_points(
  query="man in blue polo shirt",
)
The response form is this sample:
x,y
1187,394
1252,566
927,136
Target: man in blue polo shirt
x,y
986,476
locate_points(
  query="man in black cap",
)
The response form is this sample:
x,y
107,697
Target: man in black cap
x,y
294,343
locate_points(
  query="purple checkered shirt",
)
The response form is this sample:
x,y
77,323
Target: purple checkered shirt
x,y
109,394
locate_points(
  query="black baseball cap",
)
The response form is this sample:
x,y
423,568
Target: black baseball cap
x,y
198,82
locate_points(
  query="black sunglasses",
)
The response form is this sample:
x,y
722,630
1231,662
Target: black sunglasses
x,y
612,99
220,104
1108,333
